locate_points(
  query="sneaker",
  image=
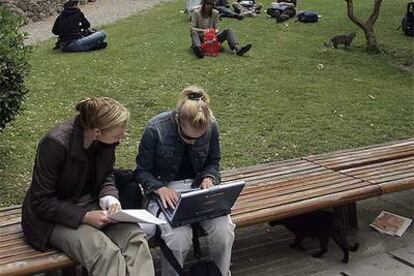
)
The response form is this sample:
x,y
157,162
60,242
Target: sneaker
x,y
244,49
198,52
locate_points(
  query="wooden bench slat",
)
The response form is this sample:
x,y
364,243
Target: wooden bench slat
x,y
11,229
374,175
297,190
6,238
12,221
304,166
260,167
280,175
308,205
398,151
397,185
280,178
299,196
388,146
270,184
14,242
13,207
339,165
12,250
382,165
43,262
292,185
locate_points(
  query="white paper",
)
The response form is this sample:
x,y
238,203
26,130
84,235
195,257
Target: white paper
x,y
391,224
137,216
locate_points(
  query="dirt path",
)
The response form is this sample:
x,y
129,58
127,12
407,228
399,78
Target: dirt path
x,y
98,13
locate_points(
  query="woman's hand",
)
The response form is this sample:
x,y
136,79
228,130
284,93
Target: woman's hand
x,y
97,219
169,198
113,208
207,183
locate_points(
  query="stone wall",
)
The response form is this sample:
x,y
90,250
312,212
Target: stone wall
x,y
34,10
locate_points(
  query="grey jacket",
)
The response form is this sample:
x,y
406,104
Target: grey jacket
x,y
161,150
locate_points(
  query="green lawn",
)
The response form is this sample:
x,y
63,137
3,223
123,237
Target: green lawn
x,y
272,104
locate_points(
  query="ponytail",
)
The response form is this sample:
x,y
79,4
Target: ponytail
x,y
101,113
193,107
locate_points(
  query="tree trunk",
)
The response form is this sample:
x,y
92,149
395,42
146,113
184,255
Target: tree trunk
x,y
368,26
372,44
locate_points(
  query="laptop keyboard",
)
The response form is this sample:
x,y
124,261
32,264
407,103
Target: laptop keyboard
x,y
169,211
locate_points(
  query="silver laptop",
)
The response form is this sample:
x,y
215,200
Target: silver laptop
x,y
202,204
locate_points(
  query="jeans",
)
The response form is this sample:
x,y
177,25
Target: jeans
x,y
220,237
86,43
225,12
227,34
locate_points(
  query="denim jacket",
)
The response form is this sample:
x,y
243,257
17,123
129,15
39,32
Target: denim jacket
x,y
161,150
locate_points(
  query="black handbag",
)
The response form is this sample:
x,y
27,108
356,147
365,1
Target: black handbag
x,y
200,268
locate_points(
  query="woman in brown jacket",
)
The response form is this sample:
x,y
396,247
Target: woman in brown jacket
x,y
73,190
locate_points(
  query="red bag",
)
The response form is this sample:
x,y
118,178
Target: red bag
x,y
210,45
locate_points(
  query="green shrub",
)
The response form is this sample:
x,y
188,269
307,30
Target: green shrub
x,y
14,66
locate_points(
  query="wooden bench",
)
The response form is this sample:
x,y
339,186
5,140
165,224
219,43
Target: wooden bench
x,y
273,191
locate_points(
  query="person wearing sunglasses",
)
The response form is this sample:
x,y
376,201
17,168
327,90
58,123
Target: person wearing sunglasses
x,y
181,148
205,18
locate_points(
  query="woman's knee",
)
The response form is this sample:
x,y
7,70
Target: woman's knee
x,y
101,35
222,226
179,239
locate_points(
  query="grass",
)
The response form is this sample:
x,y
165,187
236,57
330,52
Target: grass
x,y
272,104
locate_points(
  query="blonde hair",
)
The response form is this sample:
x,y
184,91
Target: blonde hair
x,y
102,113
193,107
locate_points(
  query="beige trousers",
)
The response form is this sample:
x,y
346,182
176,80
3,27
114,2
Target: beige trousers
x,y
116,250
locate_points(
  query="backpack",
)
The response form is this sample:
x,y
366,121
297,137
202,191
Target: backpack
x,y
130,194
407,23
210,45
307,17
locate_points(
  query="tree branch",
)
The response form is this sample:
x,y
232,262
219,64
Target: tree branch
x,y
375,12
350,7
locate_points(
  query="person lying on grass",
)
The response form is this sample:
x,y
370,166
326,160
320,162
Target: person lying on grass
x,y
205,18
224,10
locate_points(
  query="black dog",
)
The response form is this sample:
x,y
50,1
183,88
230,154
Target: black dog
x,y
322,225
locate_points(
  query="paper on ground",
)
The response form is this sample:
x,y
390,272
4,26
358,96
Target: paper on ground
x,y
137,216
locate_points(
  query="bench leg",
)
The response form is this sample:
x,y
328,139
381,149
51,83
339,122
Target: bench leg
x,y
348,215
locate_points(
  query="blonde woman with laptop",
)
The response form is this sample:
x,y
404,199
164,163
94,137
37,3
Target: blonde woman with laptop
x,y
176,146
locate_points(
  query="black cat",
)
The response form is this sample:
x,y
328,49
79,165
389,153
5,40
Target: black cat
x,y
322,225
346,40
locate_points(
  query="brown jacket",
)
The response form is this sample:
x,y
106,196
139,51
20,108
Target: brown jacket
x,y
59,172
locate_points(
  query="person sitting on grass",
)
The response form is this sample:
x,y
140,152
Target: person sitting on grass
x,y
224,10
205,18
281,10
247,8
72,28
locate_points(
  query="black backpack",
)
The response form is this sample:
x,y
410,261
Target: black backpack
x,y
307,16
130,194
407,23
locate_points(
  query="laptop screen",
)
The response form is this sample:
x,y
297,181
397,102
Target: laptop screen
x,y
206,203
